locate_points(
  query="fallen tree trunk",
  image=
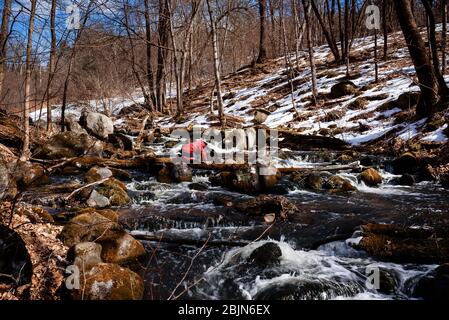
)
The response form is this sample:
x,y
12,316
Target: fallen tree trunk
x,y
330,168
191,242
295,141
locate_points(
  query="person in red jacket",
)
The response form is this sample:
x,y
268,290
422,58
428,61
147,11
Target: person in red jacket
x,y
194,151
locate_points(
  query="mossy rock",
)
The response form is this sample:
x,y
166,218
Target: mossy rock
x,y
115,190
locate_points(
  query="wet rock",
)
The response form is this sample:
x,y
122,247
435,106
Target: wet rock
x,y
115,191
268,178
15,263
35,214
97,200
181,173
124,249
406,180
69,144
135,108
107,281
337,183
406,163
314,181
175,173
434,285
308,290
98,124
399,244
265,204
121,174
388,283
85,255
444,179
97,174
244,181
266,255
88,227
199,186
371,177
343,88
260,116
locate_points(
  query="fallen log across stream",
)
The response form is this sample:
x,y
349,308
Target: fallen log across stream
x,y
191,242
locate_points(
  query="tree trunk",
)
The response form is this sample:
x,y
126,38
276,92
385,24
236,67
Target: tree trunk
x,y
149,68
346,55
216,65
163,31
332,45
310,49
428,82
262,56
52,63
26,108
385,28
4,31
444,36
434,49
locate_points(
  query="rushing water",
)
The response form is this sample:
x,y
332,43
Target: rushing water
x,y
317,261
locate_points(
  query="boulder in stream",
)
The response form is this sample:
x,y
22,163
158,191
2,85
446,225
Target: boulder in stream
x,y
97,124
403,245
122,250
107,281
371,177
266,255
266,204
87,227
434,285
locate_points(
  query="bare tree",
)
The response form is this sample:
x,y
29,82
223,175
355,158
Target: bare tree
x,y
262,49
216,58
163,32
4,32
310,49
431,93
444,35
52,63
27,104
149,68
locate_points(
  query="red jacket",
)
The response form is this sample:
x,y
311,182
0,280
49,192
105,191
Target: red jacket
x,y
194,150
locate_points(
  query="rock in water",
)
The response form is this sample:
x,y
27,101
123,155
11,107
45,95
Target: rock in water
x,y
115,191
265,204
99,125
371,177
266,255
97,174
107,281
97,200
29,174
343,88
125,249
89,227
399,244
406,163
434,285
15,262
182,173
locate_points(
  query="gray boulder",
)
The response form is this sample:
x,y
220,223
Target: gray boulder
x,y
99,125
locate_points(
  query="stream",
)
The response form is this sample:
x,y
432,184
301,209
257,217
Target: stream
x,y
316,261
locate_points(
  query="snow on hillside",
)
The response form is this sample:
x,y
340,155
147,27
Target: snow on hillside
x,y
270,90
